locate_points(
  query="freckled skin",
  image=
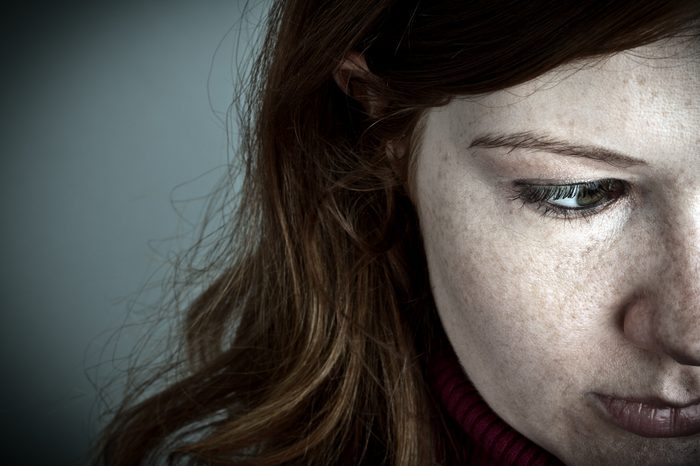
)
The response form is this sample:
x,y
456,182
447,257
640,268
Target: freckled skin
x,y
542,311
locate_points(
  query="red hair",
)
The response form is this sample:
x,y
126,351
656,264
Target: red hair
x,y
308,346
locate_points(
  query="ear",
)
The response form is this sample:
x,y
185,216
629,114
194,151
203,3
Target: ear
x,y
351,76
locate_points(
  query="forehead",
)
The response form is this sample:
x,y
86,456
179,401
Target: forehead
x,y
639,101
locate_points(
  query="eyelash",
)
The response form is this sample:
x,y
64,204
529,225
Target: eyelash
x,y
541,196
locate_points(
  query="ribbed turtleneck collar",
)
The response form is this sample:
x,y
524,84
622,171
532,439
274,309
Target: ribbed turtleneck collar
x,y
488,439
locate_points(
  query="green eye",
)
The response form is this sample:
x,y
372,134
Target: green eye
x,y
579,199
567,200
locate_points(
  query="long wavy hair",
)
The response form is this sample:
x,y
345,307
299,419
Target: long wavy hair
x,y
308,344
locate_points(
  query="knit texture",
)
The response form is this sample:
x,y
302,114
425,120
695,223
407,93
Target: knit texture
x,y
485,438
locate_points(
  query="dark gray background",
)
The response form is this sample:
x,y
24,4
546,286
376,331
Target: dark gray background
x,y
108,142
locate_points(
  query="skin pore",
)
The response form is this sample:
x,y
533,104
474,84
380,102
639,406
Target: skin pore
x,y
544,305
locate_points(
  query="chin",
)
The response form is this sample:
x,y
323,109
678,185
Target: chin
x,y
629,449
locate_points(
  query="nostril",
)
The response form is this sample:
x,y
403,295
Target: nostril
x,y
685,357
679,337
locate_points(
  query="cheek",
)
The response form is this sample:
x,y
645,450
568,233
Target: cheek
x,y
491,288
514,317
510,293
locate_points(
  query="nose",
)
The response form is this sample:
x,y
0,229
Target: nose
x,y
664,316
670,332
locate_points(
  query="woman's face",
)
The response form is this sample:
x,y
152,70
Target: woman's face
x,y
546,305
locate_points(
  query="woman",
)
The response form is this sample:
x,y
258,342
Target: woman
x,y
468,234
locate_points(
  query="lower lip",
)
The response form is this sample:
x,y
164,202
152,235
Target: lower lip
x,y
648,420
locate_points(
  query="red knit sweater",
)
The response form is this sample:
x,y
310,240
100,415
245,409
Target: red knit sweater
x,y
484,438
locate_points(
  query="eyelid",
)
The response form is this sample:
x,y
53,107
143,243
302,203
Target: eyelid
x,y
536,192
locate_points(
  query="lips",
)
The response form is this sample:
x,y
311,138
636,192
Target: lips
x,y
651,417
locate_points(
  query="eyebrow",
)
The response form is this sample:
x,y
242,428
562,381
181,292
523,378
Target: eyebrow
x,y
542,142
